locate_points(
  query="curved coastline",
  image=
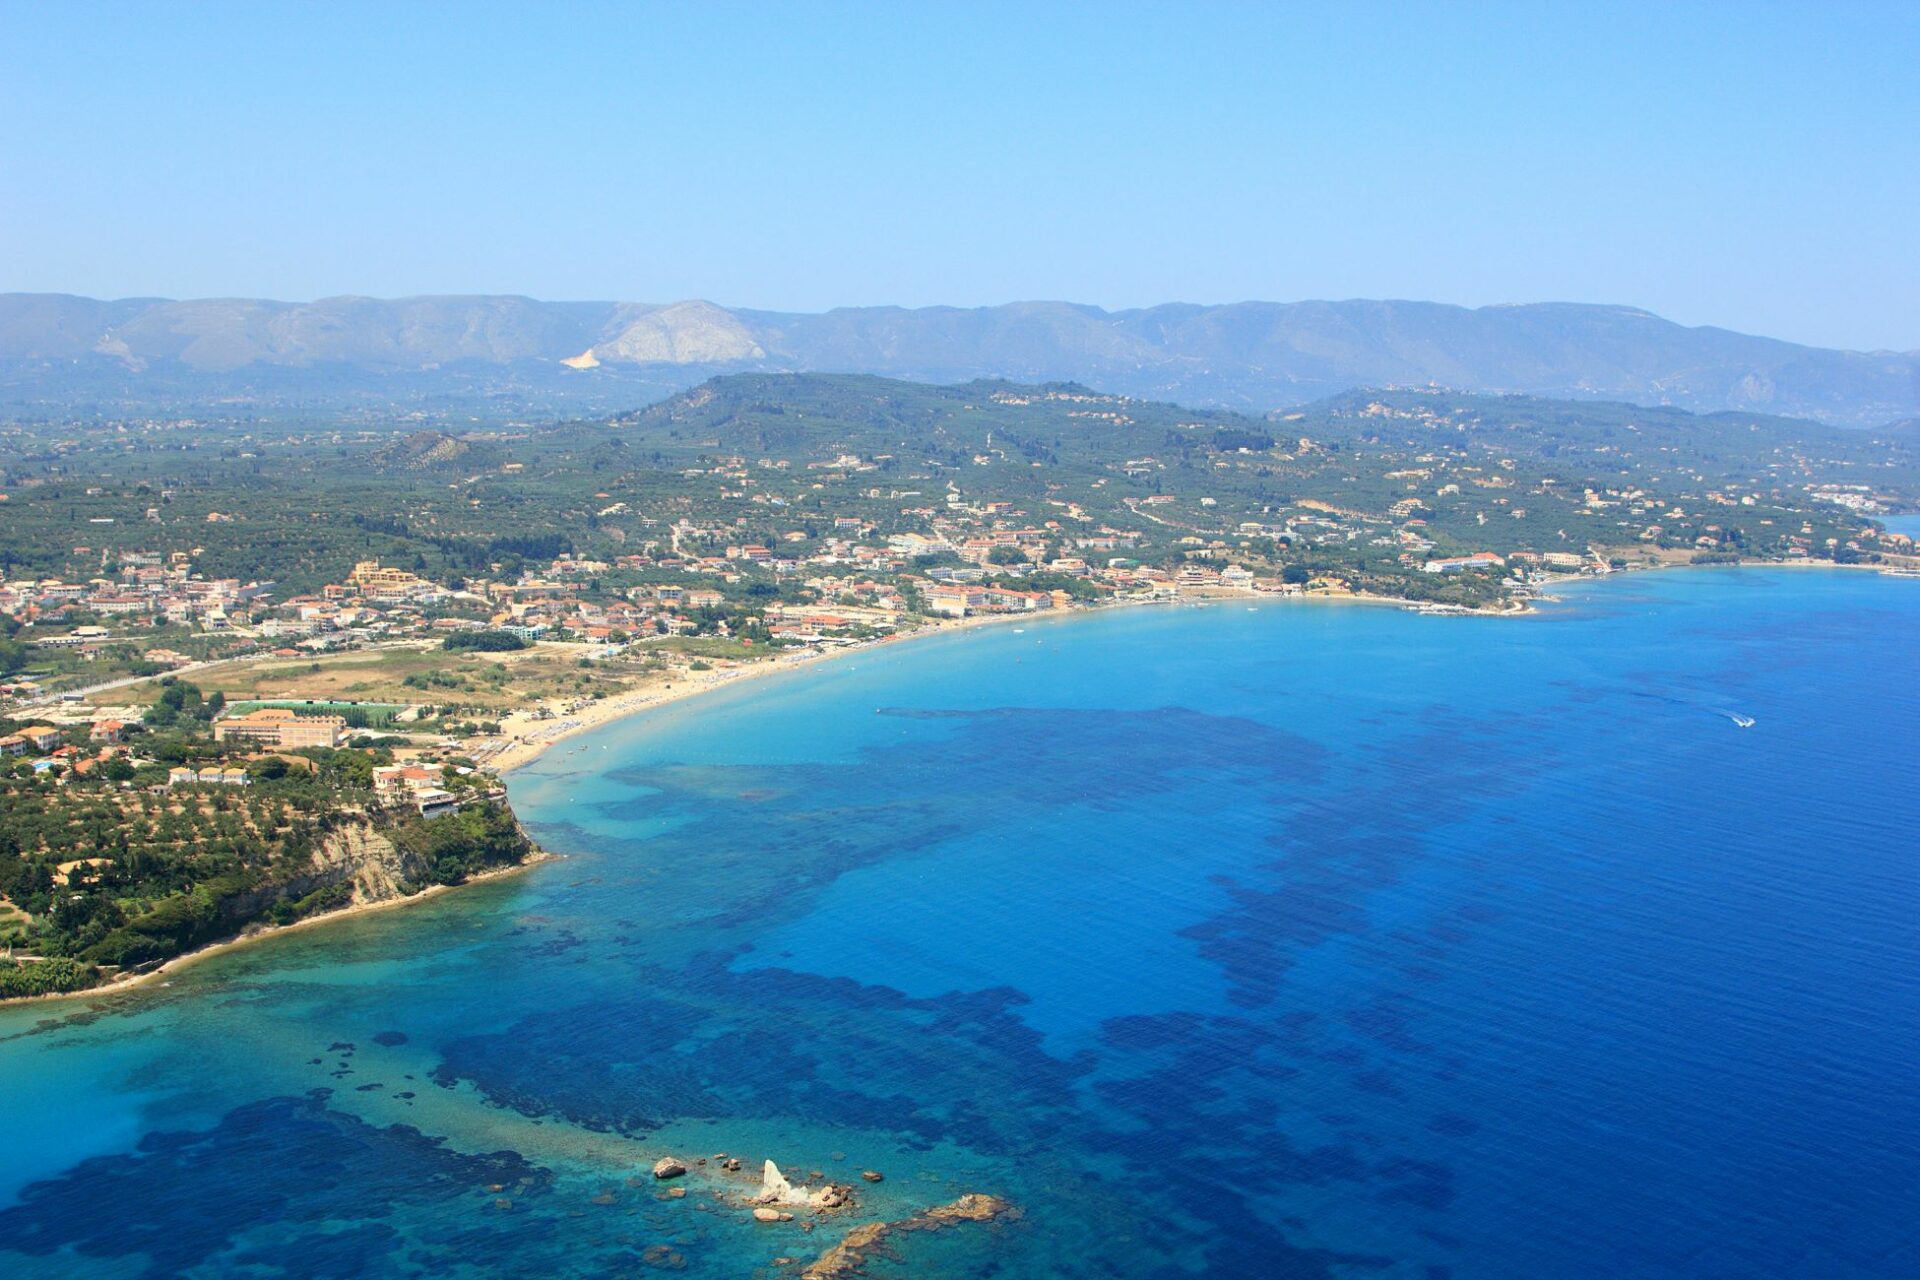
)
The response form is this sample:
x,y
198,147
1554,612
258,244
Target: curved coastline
x,y
520,754
636,909
598,715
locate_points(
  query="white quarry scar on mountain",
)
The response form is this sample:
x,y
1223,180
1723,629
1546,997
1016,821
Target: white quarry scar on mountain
x,y
680,333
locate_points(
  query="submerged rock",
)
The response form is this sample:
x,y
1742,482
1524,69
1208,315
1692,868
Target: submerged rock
x,y
850,1255
872,1176
972,1207
664,1256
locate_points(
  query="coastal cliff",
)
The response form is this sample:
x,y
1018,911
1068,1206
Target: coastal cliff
x,y
372,866
339,859
355,864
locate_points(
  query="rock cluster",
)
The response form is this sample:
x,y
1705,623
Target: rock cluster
x,y
847,1257
776,1189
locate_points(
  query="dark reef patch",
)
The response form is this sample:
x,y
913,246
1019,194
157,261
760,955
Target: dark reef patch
x,y
256,1186
712,1042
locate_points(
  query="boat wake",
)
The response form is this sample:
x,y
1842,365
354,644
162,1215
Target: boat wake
x,y
1695,703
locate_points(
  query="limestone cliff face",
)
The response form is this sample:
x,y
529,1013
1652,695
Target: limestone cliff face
x,y
360,855
355,854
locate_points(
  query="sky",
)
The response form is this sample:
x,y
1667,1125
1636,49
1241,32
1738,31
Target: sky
x,y
1754,166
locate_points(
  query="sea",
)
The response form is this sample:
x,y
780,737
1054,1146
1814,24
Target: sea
x,y
1273,940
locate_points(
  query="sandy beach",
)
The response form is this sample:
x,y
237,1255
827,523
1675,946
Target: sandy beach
x,y
527,734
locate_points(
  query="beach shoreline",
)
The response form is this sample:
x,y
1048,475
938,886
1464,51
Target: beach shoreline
x,y
525,750
260,933
522,752
546,734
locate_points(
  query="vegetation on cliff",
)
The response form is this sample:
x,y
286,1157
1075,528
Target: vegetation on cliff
x,y
117,864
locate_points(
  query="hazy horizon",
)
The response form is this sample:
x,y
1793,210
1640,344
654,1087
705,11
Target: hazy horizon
x,y
748,307
801,160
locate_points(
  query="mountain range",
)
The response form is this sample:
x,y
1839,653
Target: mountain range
x,y
1250,355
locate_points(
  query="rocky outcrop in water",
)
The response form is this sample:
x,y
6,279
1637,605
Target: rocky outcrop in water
x,y
776,1189
850,1255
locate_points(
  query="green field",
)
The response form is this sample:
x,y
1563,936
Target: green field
x,y
358,715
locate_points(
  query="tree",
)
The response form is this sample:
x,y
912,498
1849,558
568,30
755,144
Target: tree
x,y
271,769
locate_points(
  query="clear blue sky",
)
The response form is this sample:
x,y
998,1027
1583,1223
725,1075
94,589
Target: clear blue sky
x,y
1754,165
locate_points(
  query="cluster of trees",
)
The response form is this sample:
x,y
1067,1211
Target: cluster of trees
x,y
181,703
42,978
483,642
458,845
14,652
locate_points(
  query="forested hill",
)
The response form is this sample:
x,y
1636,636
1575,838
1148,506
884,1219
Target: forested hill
x,y
788,458
504,356
1071,424
1538,427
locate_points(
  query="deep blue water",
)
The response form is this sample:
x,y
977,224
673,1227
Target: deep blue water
x,y
1295,941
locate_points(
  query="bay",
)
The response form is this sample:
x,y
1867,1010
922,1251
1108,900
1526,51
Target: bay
x,y
1295,940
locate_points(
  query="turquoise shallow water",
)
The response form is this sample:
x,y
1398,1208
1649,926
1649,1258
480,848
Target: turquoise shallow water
x,y
1292,941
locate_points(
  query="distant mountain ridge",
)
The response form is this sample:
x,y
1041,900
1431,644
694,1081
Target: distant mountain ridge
x,y
1251,355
